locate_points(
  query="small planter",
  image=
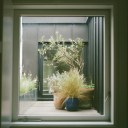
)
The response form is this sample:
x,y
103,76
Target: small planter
x,y
59,100
86,98
72,104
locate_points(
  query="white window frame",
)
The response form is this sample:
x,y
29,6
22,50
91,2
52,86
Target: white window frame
x,y
108,60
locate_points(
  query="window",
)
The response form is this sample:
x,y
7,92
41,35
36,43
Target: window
x,y
95,31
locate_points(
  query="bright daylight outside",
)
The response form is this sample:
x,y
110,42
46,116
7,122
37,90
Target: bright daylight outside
x,y
61,65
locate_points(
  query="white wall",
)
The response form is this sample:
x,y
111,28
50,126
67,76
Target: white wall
x,y
6,65
1,12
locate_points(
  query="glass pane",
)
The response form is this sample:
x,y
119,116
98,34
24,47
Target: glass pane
x,y
53,52
48,70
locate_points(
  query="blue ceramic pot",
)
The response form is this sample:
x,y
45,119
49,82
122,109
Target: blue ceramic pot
x,y
72,104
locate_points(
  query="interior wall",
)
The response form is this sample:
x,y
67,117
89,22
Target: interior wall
x,y
1,22
122,62
6,65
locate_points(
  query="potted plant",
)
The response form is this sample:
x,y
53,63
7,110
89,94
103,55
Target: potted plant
x,y
86,95
70,90
55,83
70,87
66,89
28,87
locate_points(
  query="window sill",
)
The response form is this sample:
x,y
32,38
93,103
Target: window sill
x,y
61,124
44,112
46,108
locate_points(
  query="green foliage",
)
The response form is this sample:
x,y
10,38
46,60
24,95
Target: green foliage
x,y
60,52
72,83
55,81
68,61
88,85
48,50
27,83
67,83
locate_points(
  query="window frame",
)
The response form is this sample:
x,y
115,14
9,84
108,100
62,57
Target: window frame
x,y
107,11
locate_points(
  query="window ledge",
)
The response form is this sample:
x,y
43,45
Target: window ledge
x,y
46,108
62,124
